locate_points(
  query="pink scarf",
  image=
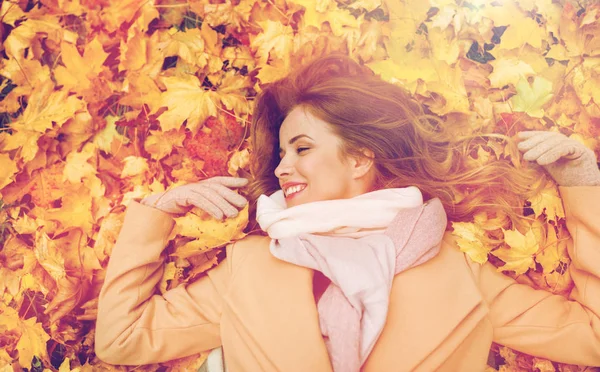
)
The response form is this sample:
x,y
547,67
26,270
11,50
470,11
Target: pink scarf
x,y
360,244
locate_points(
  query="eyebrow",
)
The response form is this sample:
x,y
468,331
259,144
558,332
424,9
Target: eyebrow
x,y
294,139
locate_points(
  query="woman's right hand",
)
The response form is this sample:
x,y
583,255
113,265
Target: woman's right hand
x,y
211,195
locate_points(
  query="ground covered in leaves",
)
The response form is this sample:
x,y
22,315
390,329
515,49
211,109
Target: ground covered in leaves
x,y
107,101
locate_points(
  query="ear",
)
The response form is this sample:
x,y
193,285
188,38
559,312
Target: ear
x,y
361,165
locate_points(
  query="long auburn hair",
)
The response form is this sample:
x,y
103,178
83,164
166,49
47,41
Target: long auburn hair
x,y
411,146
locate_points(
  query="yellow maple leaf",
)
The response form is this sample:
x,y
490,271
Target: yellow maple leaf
x,y
160,143
275,41
75,211
448,82
522,30
314,11
168,274
138,192
9,318
444,45
77,72
48,256
26,74
208,232
189,45
500,14
47,106
72,291
508,71
25,33
405,18
23,140
10,12
586,78
233,90
238,160
105,137
25,225
531,98
559,283
77,165
543,365
140,89
32,342
134,166
548,201
406,72
554,252
186,100
107,235
117,12
519,257
9,169
270,73
471,240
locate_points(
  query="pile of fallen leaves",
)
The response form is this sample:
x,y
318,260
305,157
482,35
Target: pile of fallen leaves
x,y
107,101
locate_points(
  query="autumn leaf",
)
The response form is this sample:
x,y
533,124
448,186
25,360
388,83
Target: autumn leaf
x,y
276,38
186,101
9,169
554,252
208,232
161,143
77,165
49,257
134,166
104,138
76,211
531,98
32,341
548,201
10,12
238,160
509,71
471,240
168,274
79,71
519,256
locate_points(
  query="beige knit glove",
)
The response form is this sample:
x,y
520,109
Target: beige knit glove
x,y
211,195
568,161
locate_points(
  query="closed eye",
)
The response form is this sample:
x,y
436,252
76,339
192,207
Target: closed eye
x,y
300,149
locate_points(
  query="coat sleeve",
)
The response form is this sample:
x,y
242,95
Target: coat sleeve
x,y
551,326
136,324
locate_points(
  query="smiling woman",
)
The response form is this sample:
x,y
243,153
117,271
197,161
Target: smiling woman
x,y
312,165
353,185
363,122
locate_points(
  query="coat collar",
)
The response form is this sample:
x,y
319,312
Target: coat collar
x,y
272,301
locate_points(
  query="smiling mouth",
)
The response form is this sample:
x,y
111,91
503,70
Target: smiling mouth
x,y
295,193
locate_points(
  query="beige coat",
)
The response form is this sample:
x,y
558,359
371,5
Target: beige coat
x,y
443,314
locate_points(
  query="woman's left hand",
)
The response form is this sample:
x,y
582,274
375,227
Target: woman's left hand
x,y
568,161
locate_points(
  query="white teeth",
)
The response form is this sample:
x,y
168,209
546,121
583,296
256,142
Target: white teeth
x,y
293,189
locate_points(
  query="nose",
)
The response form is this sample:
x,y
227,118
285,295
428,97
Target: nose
x,y
284,168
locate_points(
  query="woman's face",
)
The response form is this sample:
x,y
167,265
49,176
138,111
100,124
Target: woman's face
x,y
310,168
